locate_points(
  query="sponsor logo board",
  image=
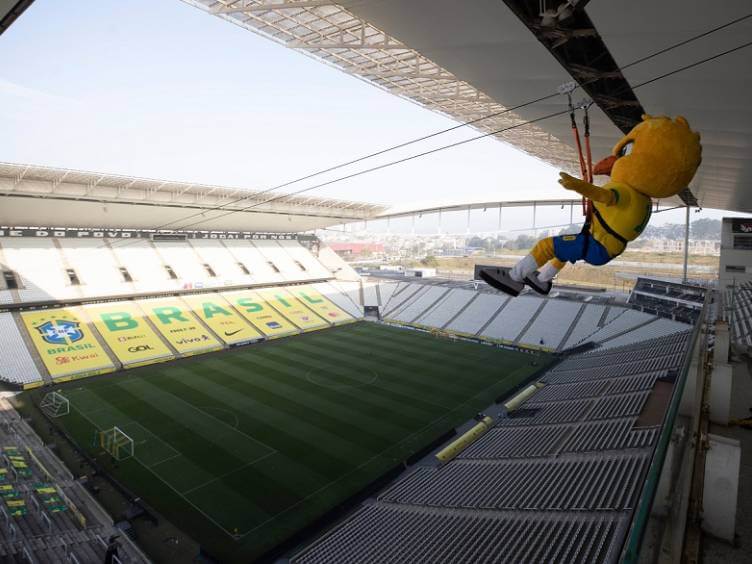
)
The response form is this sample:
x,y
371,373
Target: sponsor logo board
x,y
256,310
125,330
64,342
221,318
175,321
319,303
292,308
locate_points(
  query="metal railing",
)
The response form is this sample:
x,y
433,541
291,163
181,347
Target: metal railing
x,y
696,350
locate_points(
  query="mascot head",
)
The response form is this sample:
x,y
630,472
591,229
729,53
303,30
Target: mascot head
x,y
658,157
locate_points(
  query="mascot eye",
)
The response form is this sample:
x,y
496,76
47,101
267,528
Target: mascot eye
x,y
626,149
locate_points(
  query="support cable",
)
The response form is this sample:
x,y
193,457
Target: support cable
x,y
449,129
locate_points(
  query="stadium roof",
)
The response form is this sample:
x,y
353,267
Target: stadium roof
x,y
470,59
53,197
10,10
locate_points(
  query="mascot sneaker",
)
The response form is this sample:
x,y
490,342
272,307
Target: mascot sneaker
x,y
543,288
499,278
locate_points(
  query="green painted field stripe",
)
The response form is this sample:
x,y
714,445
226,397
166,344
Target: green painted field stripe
x,y
328,428
458,353
295,438
427,377
395,394
385,400
312,397
433,386
202,458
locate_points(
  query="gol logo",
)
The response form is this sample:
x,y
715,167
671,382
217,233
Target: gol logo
x,y
140,348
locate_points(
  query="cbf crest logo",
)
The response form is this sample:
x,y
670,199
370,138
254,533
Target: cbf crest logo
x,y
60,331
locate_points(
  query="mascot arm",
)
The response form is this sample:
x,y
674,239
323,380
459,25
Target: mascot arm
x,y
586,189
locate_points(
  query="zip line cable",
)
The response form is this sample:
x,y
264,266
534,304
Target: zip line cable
x,y
449,129
464,141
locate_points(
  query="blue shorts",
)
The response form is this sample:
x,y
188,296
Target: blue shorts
x,y
571,248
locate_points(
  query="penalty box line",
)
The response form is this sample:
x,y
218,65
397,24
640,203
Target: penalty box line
x,y
158,477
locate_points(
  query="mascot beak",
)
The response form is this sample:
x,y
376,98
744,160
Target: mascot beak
x,y
604,166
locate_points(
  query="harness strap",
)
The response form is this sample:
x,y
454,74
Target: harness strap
x,y
608,228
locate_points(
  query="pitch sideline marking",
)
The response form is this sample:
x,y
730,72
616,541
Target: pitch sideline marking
x,y
329,484
246,465
257,441
197,508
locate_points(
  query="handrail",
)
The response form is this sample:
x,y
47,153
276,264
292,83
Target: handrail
x,y
631,548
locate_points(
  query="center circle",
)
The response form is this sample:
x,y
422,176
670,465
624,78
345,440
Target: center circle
x,y
328,379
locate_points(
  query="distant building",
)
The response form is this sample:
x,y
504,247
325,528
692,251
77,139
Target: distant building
x,y
696,247
348,249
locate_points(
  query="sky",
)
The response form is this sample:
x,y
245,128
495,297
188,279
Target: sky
x,y
160,89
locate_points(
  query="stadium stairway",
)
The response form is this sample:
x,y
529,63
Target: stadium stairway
x,y
460,311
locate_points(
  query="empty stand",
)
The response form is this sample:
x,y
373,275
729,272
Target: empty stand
x,y
96,266
419,304
280,261
40,270
144,265
566,468
302,256
512,319
552,323
345,295
472,318
16,366
586,325
215,256
444,310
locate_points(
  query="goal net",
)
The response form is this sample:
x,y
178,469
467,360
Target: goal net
x,y
55,404
117,443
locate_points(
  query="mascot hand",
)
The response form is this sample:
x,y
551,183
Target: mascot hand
x,y
571,183
586,189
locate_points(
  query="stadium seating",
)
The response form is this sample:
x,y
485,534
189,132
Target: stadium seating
x,y
426,299
17,365
63,268
102,337
444,310
39,268
736,309
346,295
48,517
476,314
573,453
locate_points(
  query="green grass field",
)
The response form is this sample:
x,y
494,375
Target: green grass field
x,y
243,448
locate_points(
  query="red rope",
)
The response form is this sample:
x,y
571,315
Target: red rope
x,y
583,168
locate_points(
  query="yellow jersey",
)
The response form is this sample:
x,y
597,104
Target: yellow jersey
x,y
627,217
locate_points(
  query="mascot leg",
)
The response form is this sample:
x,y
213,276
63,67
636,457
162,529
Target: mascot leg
x,y
512,281
550,270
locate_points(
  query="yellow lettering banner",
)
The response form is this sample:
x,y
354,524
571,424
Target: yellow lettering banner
x,y
319,303
65,343
264,317
292,309
179,326
222,318
126,331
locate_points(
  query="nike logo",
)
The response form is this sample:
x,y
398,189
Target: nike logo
x,y
231,333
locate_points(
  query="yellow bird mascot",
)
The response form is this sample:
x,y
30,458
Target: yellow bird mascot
x,y
657,159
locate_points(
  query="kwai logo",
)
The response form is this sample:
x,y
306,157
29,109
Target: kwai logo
x,y
60,331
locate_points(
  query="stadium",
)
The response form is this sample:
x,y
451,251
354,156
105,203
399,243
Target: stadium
x,y
191,374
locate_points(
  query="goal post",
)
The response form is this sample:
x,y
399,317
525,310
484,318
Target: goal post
x,y
55,404
116,442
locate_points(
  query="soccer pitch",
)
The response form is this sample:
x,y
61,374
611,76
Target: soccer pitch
x,y
243,448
